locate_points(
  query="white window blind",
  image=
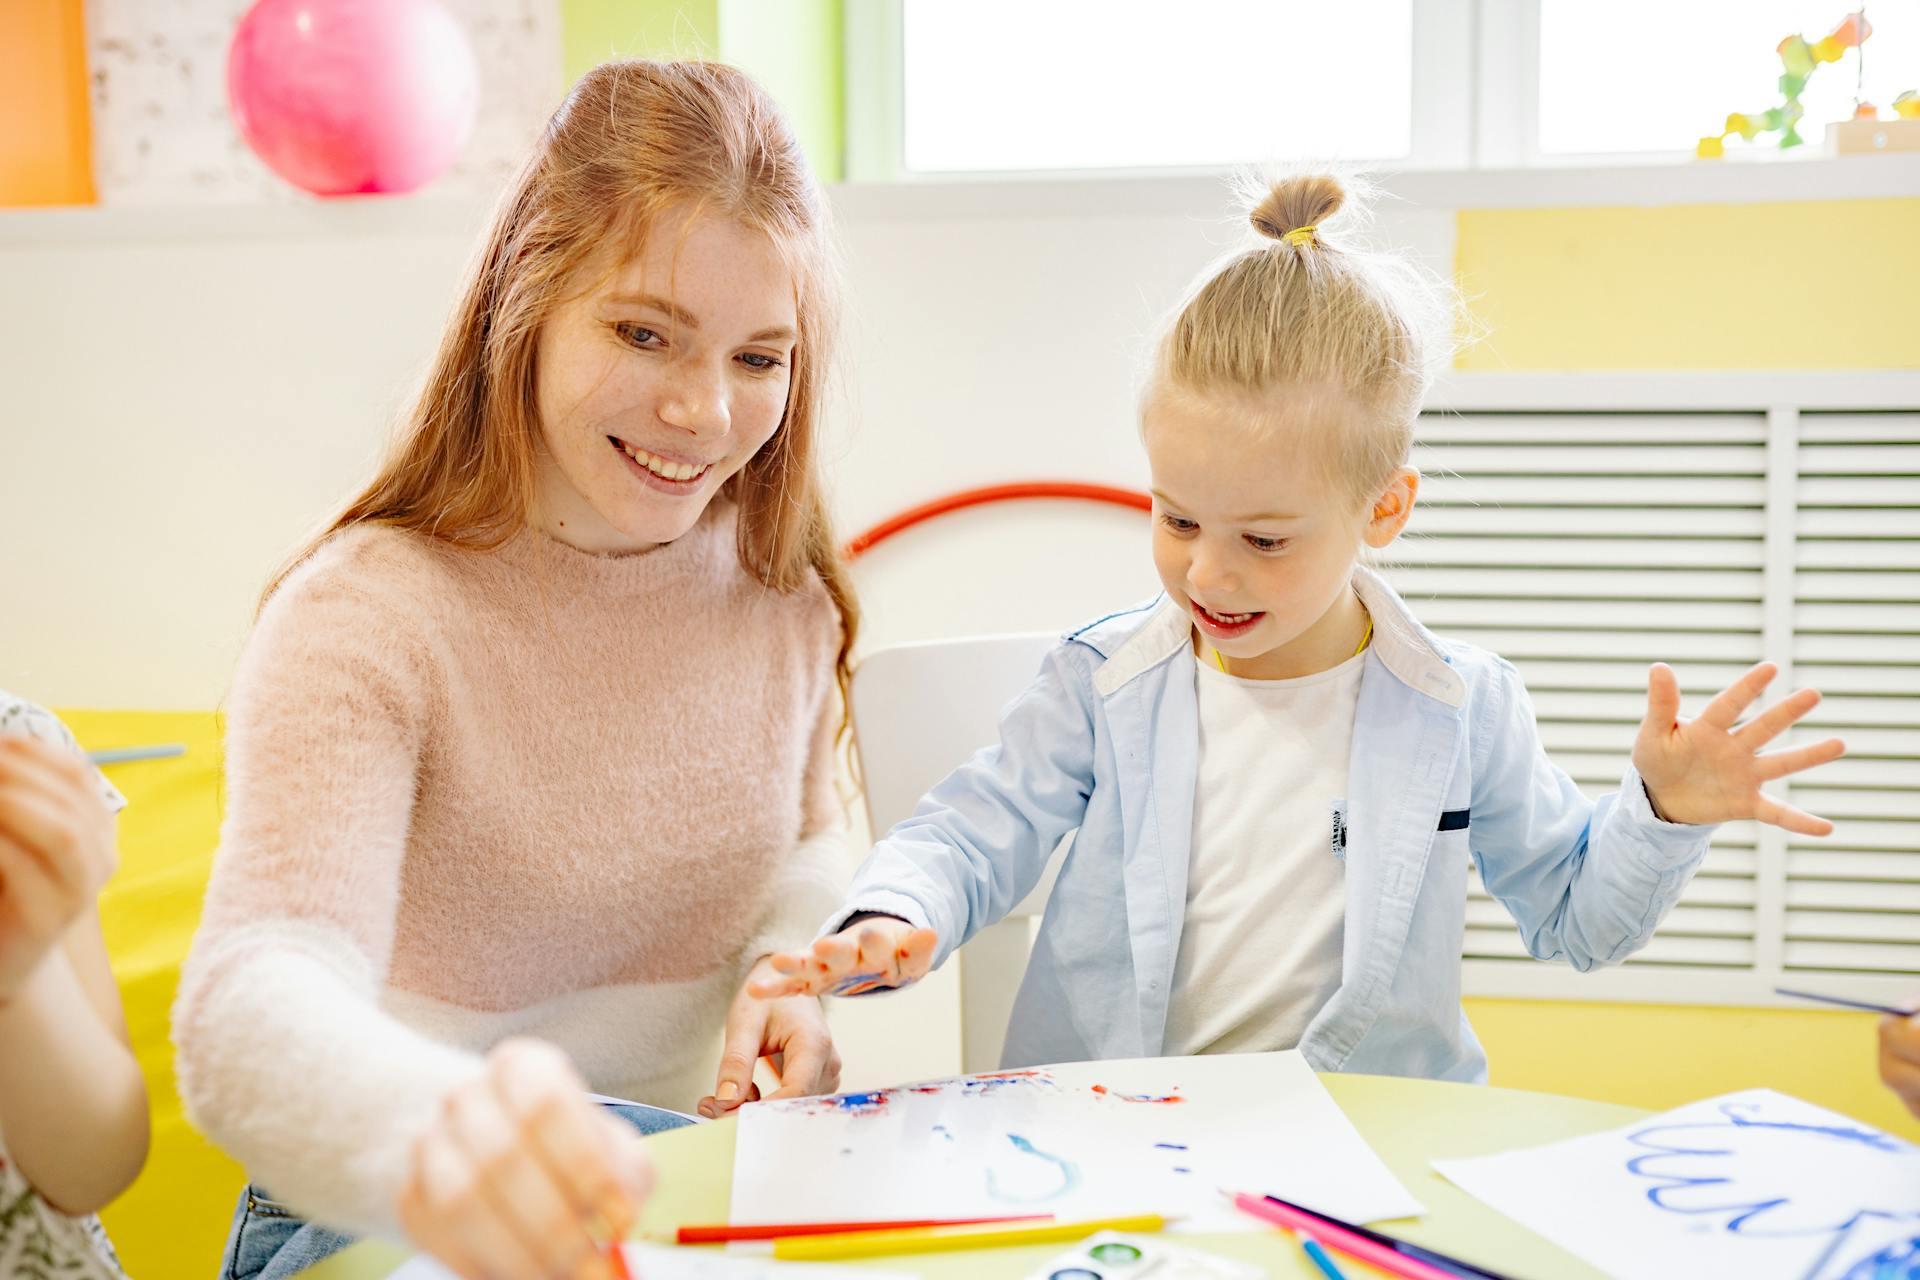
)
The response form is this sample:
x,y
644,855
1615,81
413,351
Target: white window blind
x,y
1584,545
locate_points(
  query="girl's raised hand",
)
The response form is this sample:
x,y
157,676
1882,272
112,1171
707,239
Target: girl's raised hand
x,y
56,852
521,1175
870,953
1709,770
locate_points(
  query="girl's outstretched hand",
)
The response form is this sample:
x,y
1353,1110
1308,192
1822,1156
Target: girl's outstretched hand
x,y
870,953
1709,770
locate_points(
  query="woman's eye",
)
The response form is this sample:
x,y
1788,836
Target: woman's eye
x,y
1259,543
754,360
1179,524
637,335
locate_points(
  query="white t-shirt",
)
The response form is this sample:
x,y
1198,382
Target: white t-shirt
x,y
1266,890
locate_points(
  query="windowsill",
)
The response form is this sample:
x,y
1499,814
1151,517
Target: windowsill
x,y
1106,194
1741,180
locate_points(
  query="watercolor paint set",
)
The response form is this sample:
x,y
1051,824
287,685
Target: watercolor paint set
x,y
1112,1255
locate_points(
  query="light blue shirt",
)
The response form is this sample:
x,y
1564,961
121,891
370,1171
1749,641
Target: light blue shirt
x,y
1106,741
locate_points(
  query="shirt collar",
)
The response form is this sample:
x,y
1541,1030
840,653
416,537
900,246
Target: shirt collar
x,y
1404,647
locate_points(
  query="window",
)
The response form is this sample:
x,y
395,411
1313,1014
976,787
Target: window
x,y
1651,75
1115,84
938,87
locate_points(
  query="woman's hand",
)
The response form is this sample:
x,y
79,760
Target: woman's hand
x,y
870,953
56,852
791,1031
1900,1058
1706,770
522,1176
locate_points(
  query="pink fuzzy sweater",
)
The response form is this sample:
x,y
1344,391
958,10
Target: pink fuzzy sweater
x,y
480,794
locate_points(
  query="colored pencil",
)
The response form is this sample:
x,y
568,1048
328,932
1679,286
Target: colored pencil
x,y
1394,1256
873,1244
1315,1252
726,1232
125,755
1844,1002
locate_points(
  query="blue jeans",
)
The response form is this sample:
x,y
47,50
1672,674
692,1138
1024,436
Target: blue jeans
x,y
269,1242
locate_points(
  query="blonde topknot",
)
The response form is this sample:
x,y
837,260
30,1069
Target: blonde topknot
x,y
1295,314
1298,204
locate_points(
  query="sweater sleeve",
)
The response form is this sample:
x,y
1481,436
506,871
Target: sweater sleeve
x,y
284,1056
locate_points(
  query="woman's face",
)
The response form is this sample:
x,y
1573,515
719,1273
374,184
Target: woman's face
x,y
661,382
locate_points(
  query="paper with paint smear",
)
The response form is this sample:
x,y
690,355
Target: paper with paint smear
x,y
1081,1140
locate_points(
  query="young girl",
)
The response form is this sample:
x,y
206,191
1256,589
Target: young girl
x,y
1276,773
530,756
73,1108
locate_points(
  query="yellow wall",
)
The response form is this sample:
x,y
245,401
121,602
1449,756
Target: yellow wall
x,y
1658,1056
1828,284
172,1224
1817,284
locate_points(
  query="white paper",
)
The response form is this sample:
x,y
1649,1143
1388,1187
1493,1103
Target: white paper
x,y
659,1262
1083,1140
1753,1184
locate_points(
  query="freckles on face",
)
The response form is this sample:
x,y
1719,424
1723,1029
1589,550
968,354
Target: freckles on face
x,y
662,380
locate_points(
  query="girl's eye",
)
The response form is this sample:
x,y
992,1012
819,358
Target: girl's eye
x,y
754,360
1179,524
637,335
1259,543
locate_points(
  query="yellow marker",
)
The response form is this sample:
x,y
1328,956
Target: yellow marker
x,y
873,1244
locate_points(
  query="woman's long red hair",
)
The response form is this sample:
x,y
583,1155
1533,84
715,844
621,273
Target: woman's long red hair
x,y
631,139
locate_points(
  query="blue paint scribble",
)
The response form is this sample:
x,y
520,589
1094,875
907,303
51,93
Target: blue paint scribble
x,y
1170,1146
858,982
944,1132
1698,1168
1898,1261
1069,1175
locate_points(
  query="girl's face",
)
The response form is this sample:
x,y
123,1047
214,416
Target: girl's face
x,y
1250,538
661,382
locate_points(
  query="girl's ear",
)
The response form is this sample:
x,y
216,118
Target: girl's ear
x,y
1392,507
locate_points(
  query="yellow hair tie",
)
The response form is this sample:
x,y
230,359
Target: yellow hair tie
x,y
1300,235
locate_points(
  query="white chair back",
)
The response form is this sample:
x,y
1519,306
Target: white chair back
x,y
919,711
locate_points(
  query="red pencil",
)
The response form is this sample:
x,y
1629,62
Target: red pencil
x,y
723,1232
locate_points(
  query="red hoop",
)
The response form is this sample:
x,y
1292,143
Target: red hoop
x,y
879,533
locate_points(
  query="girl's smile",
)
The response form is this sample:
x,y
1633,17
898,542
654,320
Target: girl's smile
x,y
1224,626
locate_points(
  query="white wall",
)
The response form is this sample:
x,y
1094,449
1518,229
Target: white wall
x,y
184,394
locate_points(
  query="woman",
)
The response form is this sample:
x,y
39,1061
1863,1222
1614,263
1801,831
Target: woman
x,y
530,756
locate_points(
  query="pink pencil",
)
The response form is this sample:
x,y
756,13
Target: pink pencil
x,y
1374,1255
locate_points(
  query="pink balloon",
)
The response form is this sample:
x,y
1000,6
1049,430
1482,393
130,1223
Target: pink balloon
x,y
345,96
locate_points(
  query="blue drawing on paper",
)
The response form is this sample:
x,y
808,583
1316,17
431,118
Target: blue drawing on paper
x,y
1067,1171
1738,1175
